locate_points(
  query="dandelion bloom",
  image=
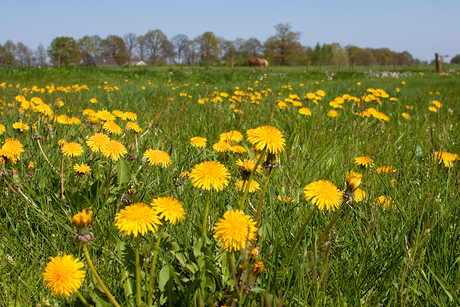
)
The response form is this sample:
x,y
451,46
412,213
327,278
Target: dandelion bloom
x,y
83,219
113,150
62,142
386,169
97,141
234,230
63,275
74,121
14,147
384,201
20,126
169,209
323,193
158,158
305,111
133,126
332,113
221,146
137,218
112,127
198,142
253,187
209,174
237,149
364,161
105,115
231,136
359,195
267,137
406,115
353,180
247,165
285,199
437,104
184,175
445,157
2,129
93,100
82,169
433,109
72,149
130,116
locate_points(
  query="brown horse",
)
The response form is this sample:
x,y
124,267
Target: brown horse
x,y
257,62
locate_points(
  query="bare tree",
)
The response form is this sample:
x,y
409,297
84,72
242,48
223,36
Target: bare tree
x,y
180,43
153,40
40,56
167,50
131,42
252,48
24,54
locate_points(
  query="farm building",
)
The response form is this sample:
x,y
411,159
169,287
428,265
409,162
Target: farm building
x,y
136,63
100,61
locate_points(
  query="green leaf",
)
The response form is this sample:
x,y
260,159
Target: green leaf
x,y
123,173
163,277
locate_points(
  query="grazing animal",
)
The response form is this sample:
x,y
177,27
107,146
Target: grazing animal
x,y
257,62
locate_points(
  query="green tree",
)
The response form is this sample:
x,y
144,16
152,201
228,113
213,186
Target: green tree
x,y
115,46
455,59
209,47
63,51
153,41
283,48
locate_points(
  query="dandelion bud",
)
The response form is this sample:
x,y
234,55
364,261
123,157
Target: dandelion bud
x,y
258,268
353,181
82,221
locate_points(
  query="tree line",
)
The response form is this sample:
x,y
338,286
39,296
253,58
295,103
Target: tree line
x,y
154,48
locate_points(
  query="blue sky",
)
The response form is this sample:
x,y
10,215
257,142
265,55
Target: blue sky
x,y
421,27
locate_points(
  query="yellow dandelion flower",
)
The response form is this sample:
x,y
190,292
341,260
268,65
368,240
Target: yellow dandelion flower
x,y
93,100
74,121
406,115
386,169
130,116
62,142
7,156
221,146
267,137
112,127
253,187
158,158
62,119
237,149
444,157
384,201
433,109
97,141
359,195
285,199
2,129
169,209
231,136
209,174
83,219
105,115
305,111
137,219
133,126
113,150
44,109
364,161
89,113
184,175
198,142
20,126
437,104
82,169
332,113
63,275
353,180
248,165
323,193
118,113
72,149
258,268
235,230
320,93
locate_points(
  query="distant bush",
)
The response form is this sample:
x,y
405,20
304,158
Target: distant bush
x,y
455,59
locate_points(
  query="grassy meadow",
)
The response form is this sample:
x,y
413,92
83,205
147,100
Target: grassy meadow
x,y
397,245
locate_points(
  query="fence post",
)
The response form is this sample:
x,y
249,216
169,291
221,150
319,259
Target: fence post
x,y
438,61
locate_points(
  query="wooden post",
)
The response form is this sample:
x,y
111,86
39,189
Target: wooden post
x,y
438,61
59,61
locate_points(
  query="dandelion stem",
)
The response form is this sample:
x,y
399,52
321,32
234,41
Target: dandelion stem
x,y
62,178
82,299
152,268
44,156
138,274
108,179
98,278
331,223
297,238
262,196
248,184
205,215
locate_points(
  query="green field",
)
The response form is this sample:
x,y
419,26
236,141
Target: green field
x,y
403,251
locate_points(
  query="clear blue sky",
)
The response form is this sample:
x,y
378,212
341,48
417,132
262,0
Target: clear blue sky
x,y
421,27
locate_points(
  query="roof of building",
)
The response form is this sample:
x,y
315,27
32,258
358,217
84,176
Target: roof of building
x,y
104,61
